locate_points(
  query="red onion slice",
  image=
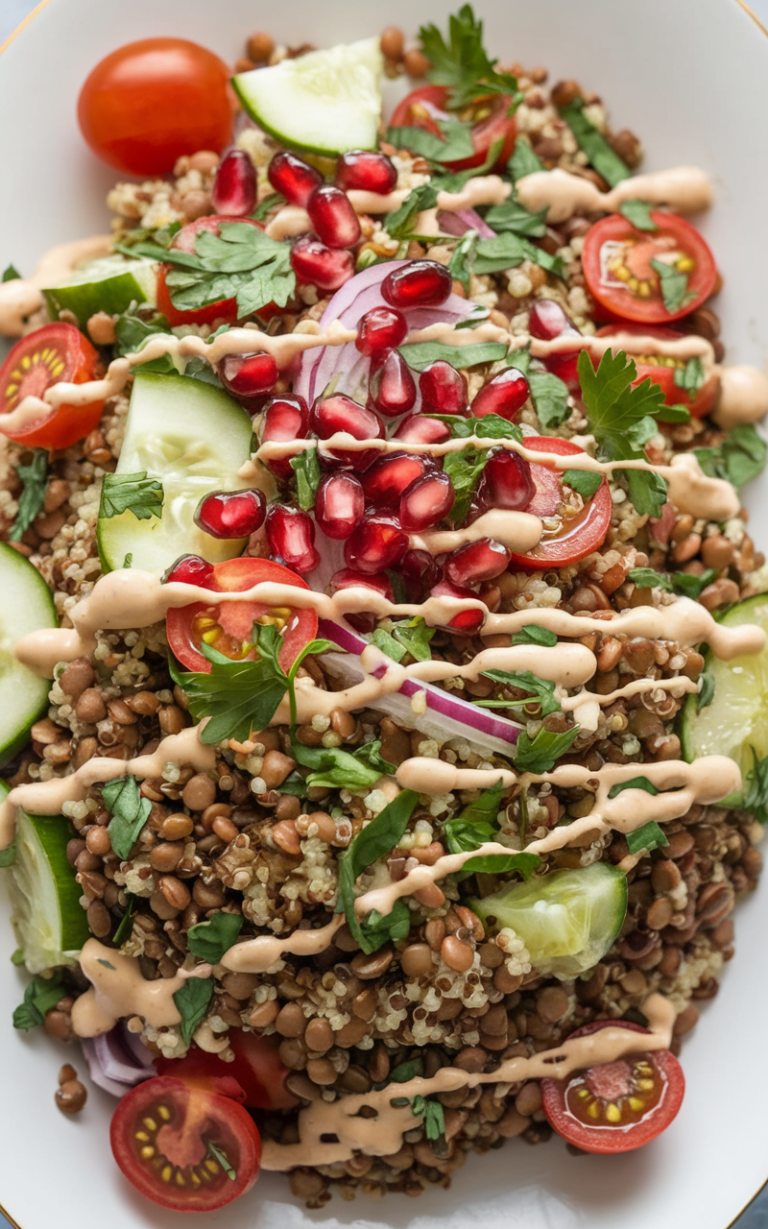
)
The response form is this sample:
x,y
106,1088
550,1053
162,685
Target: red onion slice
x,y
458,222
116,1064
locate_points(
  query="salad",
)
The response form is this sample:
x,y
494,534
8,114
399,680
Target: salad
x,y
384,647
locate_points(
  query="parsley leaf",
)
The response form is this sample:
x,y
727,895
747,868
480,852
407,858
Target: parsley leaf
x,y
647,578
10,273
419,354
583,481
739,458
541,692
706,690
192,1001
756,794
539,754
491,427
639,214
550,398
673,284
508,250
464,469
434,1116
462,259
333,768
476,825
35,479
218,1155
134,493
642,783
601,154
406,1071
373,842
400,222
462,63
410,636
454,143
684,583
210,940
523,161
533,633
691,377
387,644
650,836
306,467
269,202
512,216
41,995
129,812
132,332
370,754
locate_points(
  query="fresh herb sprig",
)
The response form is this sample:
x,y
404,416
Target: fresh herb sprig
x,y
647,838
210,940
373,842
540,699
475,826
136,493
129,813
540,753
462,63
683,583
601,154
35,479
740,457
41,995
192,1001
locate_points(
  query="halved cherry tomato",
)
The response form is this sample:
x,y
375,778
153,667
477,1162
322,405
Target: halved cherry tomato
x,y
149,102
56,353
617,266
166,1135
224,310
492,122
616,1107
256,1078
661,369
228,626
575,537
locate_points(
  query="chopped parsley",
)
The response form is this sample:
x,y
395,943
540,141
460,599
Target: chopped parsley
x,y
41,996
673,284
306,467
10,273
739,458
539,754
192,1001
461,63
523,161
534,633
210,940
373,842
129,812
134,493
583,481
691,377
639,214
649,837
601,154
30,502
419,355
540,692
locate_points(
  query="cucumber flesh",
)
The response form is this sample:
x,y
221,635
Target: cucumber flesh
x,y
568,920
110,284
27,606
327,102
192,438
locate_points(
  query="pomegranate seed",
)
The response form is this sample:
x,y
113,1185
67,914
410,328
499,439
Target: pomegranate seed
x,y
392,389
234,187
426,501
339,504
331,213
382,328
420,283
191,570
418,429
419,573
504,395
231,514
443,389
284,419
362,168
248,376
375,545
467,622
548,320
291,535
340,413
363,621
476,562
388,477
324,267
293,177
506,481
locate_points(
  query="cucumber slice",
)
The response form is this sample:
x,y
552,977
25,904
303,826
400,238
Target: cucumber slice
x,y
50,925
567,921
109,285
193,438
735,720
27,606
326,102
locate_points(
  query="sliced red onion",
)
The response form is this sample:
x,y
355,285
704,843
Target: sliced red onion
x,y
459,221
116,1064
446,715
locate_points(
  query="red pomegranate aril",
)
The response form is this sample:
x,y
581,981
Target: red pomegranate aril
x,y
234,186
331,214
339,504
419,283
248,376
293,177
382,328
340,413
367,170
375,545
504,395
190,570
315,263
547,321
363,621
391,474
231,514
443,389
476,562
418,429
419,573
291,536
426,501
466,622
392,389
284,419
506,481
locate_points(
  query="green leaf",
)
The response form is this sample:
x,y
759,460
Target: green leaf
x,y
376,929
464,469
210,940
639,214
419,354
306,467
125,925
550,398
199,369
512,216
373,842
406,1071
601,154
269,202
756,794
540,753
647,490
134,493
30,503
523,161
650,836
17,957
635,783
647,578
41,995
370,754
673,284
691,377
192,1001
693,586
706,690
501,864
10,273
455,142
333,768
400,222
461,62
293,784
129,813
491,427
739,458
463,258
128,560
434,1120
415,636
507,251
583,481
520,359
218,1155
132,333
542,692
382,640
8,855
533,633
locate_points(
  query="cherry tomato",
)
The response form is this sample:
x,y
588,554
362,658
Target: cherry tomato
x,y
256,1078
147,103
492,122
618,1106
576,536
617,266
661,370
224,310
50,355
170,1141
228,626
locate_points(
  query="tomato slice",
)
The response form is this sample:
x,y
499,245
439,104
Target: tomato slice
x,y
616,1107
571,538
256,1078
56,353
171,1141
661,369
224,310
617,266
427,103
228,626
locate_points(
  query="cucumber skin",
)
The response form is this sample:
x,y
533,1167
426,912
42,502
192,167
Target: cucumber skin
x,y
67,887
19,740
126,293
280,137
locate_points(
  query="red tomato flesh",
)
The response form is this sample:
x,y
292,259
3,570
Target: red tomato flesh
x,y
256,1078
223,310
574,537
619,1106
493,124
228,626
149,102
56,353
163,1136
661,370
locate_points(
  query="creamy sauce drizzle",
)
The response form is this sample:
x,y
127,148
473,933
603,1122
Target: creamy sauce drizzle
x,y
687,189
118,989
22,296
259,954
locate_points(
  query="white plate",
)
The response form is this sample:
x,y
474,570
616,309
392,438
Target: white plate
x,y
691,78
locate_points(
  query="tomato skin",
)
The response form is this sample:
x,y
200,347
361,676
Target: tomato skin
x,y
256,1078
588,530
63,350
225,310
672,233
151,101
706,396
626,1137
494,127
192,1119
237,618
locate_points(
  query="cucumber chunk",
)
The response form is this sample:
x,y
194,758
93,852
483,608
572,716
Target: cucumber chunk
x,y
192,438
327,102
110,284
567,920
26,606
